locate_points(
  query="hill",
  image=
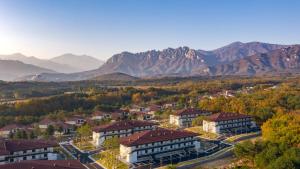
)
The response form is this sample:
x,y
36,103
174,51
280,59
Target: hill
x,y
11,70
115,77
81,62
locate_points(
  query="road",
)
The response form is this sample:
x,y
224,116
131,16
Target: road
x,y
220,158
81,156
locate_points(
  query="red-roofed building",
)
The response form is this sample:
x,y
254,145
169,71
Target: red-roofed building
x,y
11,129
184,118
228,123
120,129
99,115
19,150
44,164
156,144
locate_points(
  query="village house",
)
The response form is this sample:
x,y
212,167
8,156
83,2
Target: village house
x,y
169,105
119,129
19,150
184,118
11,129
143,116
99,115
153,109
154,145
232,123
75,120
45,123
44,164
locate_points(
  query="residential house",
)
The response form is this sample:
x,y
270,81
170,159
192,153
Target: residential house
x,y
184,118
159,144
19,150
120,129
231,123
44,164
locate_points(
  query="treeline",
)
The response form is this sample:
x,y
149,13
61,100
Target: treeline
x,y
263,103
279,148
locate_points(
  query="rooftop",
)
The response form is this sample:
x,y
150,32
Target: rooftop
x,y
190,111
7,146
123,125
226,116
151,136
44,164
12,126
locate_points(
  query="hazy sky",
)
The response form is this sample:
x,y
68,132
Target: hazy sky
x,y
101,28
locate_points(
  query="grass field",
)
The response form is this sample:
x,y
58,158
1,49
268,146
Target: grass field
x,y
109,160
199,130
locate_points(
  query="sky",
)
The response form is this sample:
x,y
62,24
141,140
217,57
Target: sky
x,y
101,28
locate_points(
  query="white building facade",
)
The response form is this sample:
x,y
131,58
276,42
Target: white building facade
x,y
120,129
157,144
232,123
19,150
184,118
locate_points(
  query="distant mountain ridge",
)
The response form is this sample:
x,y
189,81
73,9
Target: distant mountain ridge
x,y
67,63
182,61
115,77
11,70
80,62
285,60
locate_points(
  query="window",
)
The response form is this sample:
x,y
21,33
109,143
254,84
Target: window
x,y
33,150
45,155
33,157
45,149
24,158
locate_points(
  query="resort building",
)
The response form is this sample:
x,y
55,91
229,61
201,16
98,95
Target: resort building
x,y
157,145
44,164
184,118
75,120
20,150
98,115
232,123
120,129
11,129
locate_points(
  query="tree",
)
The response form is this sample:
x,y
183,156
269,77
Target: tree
x,y
111,146
198,121
84,132
137,98
283,128
111,143
50,130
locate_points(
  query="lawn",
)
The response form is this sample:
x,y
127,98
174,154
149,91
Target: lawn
x,y
241,136
109,159
199,130
85,145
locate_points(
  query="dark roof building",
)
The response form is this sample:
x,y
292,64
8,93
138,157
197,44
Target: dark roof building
x,y
123,125
120,129
152,136
226,116
157,145
9,146
230,123
44,164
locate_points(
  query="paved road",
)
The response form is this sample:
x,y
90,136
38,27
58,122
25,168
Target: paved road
x,y
81,156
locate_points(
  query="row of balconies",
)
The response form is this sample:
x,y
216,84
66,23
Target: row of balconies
x,y
164,148
128,130
234,125
234,121
25,152
165,143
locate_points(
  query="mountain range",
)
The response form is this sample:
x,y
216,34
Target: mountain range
x,y
12,69
253,58
67,63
